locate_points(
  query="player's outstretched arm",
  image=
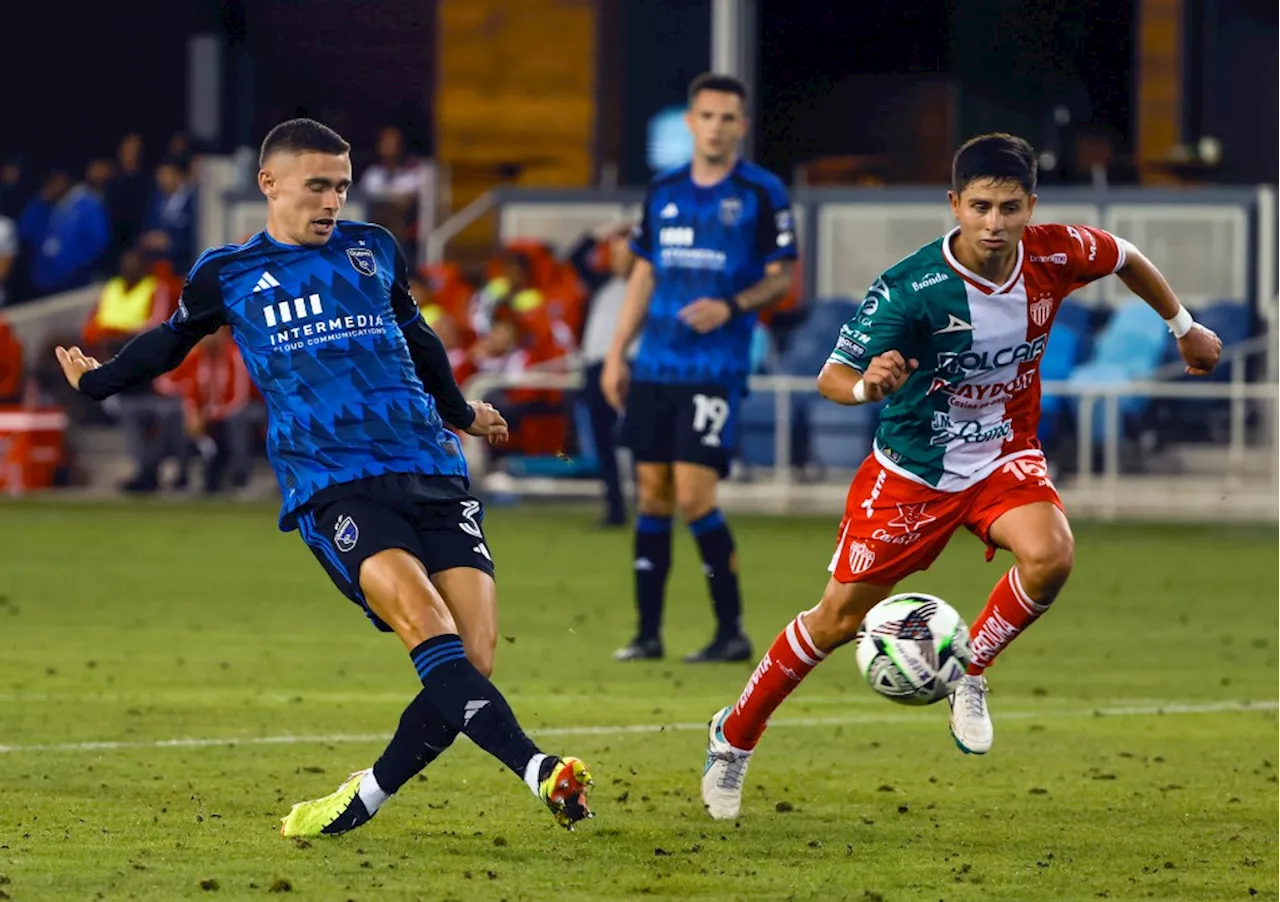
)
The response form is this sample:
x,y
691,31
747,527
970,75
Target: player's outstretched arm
x,y
615,375
1199,346
151,354
883,376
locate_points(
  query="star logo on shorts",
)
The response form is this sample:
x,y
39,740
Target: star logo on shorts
x,y
911,517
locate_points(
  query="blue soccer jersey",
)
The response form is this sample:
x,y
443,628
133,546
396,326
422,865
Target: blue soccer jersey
x,y
320,330
707,242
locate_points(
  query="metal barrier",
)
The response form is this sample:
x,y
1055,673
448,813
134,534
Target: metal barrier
x,y
1224,488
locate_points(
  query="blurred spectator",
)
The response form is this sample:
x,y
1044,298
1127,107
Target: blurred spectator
x,y
12,378
14,190
445,286
171,219
76,236
390,186
8,254
1097,159
179,149
603,261
129,193
513,287
130,303
442,321
213,385
33,224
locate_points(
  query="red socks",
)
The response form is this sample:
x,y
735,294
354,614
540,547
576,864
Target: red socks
x,y
1009,611
787,662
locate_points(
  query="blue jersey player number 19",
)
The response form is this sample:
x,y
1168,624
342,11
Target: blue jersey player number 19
x,y
714,246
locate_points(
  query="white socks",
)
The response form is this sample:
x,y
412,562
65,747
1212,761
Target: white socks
x,y
531,773
371,793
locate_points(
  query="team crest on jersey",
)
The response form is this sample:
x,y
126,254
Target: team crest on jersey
x,y
346,534
731,211
362,259
1041,308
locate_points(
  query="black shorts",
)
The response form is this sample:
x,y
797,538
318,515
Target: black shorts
x,y
434,518
695,424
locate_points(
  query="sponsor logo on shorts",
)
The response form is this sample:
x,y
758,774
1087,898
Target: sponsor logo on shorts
x,y
889,538
869,503
912,516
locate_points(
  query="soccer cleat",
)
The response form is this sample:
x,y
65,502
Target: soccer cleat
x,y
735,648
336,813
640,650
724,772
565,791
970,721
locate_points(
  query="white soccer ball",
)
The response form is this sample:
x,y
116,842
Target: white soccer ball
x,y
913,648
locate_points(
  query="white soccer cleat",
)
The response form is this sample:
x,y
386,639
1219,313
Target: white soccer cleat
x,y
970,720
724,773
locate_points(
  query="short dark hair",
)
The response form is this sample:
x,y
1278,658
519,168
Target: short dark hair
x,y
714,81
998,156
300,136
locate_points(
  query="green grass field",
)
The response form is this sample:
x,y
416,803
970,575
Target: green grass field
x,y
1135,751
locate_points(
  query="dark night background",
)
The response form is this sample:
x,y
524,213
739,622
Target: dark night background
x,y
76,77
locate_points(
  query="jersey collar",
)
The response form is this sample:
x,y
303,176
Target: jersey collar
x,y
970,275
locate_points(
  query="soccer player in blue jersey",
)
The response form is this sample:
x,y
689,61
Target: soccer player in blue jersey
x,y
358,390
715,245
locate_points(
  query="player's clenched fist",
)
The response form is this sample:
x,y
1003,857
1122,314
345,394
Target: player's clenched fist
x,y
74,364
1200,349
885,375
489,423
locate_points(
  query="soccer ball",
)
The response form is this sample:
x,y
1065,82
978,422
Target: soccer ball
x,y
913,648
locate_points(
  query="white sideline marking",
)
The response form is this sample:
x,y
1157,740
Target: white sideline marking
x,y
621,729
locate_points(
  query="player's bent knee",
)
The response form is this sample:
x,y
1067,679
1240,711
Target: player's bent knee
x,y
481,659
1044,568
694,507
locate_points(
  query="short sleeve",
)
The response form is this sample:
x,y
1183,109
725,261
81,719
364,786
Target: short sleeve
x,y
775,228
879,326
642,235
1093,253
200,307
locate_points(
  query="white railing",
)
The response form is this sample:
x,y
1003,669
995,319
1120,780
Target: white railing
x,y
1239,482
454,226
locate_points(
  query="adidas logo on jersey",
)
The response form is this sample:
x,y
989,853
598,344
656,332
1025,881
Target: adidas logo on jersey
x,y
266,281
290,310
670,211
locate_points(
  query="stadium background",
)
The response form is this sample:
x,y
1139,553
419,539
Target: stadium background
x,y
1149,119
166,656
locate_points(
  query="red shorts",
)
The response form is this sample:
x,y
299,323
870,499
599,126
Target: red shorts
x,y
894,527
